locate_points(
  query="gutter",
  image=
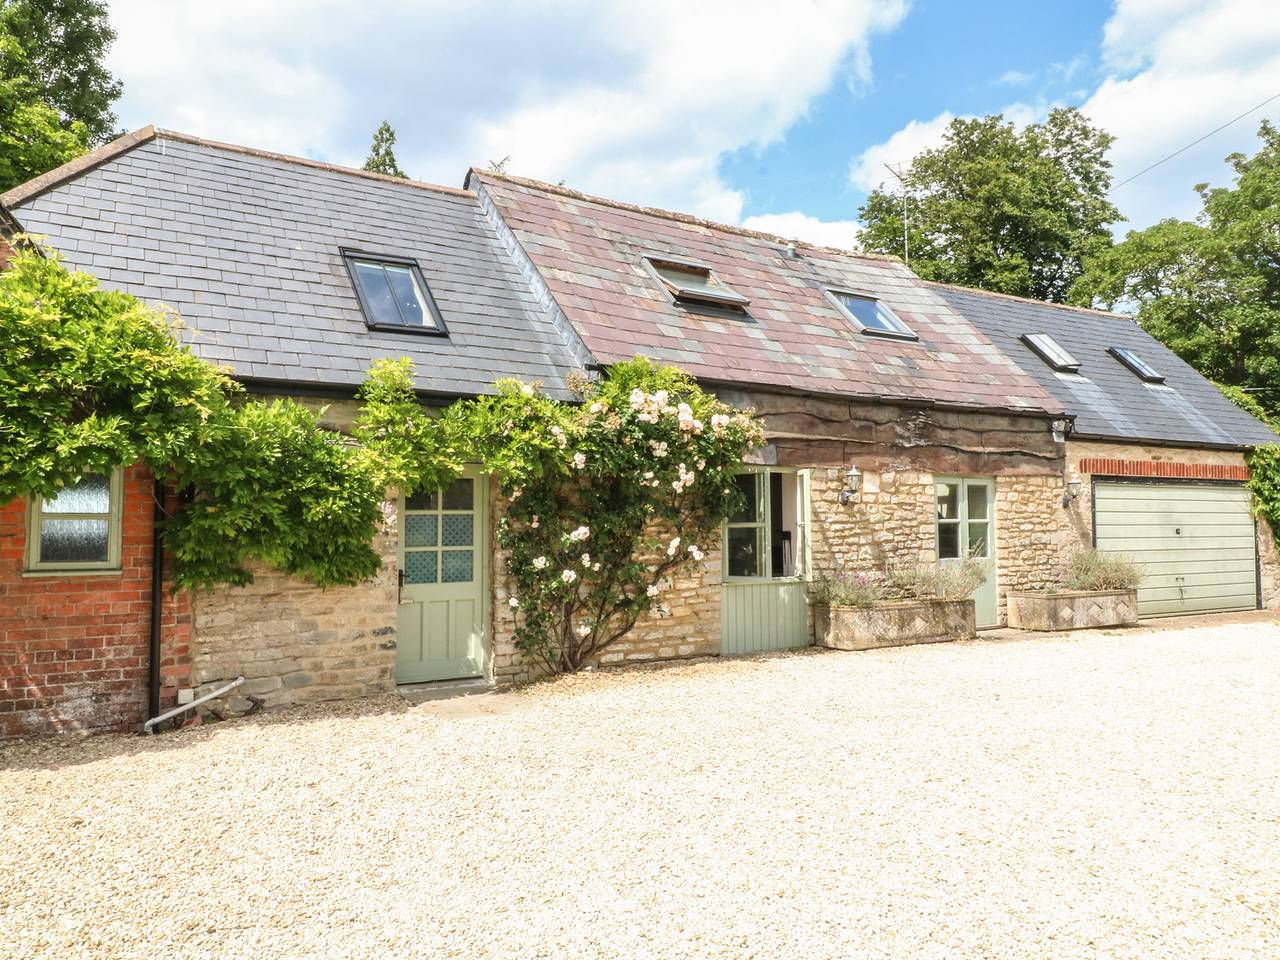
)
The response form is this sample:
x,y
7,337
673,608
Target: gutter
x,y
157,601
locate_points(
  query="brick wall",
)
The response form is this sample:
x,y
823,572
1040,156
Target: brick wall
x,y
73,649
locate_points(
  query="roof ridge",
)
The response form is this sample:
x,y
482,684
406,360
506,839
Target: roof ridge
x,y
686,218
1040,303
126,142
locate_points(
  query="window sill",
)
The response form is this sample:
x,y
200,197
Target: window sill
x,y
411,331
73,572
752,580
888,334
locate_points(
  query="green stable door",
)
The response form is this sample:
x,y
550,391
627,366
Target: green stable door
x,y
441,618
966,528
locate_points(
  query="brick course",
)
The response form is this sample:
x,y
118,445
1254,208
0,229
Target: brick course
x,y
74,648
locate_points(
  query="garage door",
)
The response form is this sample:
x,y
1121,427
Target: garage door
x,y
1195,543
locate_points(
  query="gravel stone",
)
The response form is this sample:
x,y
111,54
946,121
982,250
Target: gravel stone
x,y
1097,795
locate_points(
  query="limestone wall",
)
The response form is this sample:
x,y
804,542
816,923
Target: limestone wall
x,y
295,642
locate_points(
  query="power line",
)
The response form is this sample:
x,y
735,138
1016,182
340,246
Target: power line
x,y
1194,142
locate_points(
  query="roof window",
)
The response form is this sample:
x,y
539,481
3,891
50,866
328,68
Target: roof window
x,y
1051,352
392,294
869,315
694,282
1136,364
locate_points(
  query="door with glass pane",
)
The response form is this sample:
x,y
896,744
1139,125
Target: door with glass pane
x,y
763,603
965,512
441,628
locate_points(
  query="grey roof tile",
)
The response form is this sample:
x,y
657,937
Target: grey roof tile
x,y
1107,399
247,248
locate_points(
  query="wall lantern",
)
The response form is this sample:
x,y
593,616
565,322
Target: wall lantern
x,y
852,485
1072,492
1060,429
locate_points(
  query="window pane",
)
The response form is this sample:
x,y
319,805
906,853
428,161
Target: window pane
x,y
977,496
457,530
948,541
378,299
422,500
420,566
73,541
749,484
948,495
979,540
420,530
413,306
694,282
871,313
455,566
459,495
744,551
91,495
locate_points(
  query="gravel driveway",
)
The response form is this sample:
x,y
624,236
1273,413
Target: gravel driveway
x,y
1092,796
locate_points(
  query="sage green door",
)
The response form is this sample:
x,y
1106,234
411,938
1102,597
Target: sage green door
x,y
966,528
441,623
1194,542
764,600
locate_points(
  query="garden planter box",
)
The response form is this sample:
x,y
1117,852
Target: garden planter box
x,y
893,623
1072,609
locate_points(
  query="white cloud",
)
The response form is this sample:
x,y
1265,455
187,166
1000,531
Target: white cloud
x,y
1197,65
800,226
634,100
1173,70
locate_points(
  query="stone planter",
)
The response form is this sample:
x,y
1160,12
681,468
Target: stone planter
x,y
893,623
1072,609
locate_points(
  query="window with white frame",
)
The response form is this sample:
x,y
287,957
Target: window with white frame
x,y
765,540
870,315
77,530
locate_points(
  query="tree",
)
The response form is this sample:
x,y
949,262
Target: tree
x,y
33,137
63,44
1014,211
1209,289
382,157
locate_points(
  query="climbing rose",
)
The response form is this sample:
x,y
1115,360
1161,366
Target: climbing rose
x,y
579,460
569,576
513,602
652,590
584,630
580,534
539,563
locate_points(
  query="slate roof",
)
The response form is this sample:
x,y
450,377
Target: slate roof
x,y
245,246
1107,399
589,252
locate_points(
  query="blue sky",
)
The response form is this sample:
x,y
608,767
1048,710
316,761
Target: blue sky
x,y
776,116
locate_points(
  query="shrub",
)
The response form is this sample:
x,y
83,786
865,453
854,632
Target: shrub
x,y
848,589
1091,569
951,581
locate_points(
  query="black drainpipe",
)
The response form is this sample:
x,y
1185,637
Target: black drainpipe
x,y
157,603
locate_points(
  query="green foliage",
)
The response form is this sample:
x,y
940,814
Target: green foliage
x,y
1090,569
843,589
33,137
63,44
1001,209
947,581
1264,463
609,499
1209,289
406,448
382,156
91,379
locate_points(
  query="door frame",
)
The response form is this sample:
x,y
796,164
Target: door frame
x,y
963,521
484,572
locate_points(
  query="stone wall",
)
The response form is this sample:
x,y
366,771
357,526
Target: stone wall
x,y
1146,461
295,642
1031,534
688,625
890,523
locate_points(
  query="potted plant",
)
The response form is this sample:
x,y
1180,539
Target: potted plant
x,y
904,605
1096,590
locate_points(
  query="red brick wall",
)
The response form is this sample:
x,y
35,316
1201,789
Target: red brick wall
x,y
1165,469
73,649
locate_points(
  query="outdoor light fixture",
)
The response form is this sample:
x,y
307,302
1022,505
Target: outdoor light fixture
x,y
1072,492
852,485
1060,429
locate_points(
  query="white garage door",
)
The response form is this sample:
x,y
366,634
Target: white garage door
x,y
1195,543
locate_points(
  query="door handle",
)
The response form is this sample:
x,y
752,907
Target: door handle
x,y
400,585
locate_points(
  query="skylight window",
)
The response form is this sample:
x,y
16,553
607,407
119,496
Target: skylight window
x,y
870,315
1051,352
694,282
1135,363
392,294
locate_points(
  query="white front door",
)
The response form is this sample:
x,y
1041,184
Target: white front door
x,y
966,528
441,622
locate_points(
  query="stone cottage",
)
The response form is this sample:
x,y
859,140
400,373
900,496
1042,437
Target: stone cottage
x,y
905,422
